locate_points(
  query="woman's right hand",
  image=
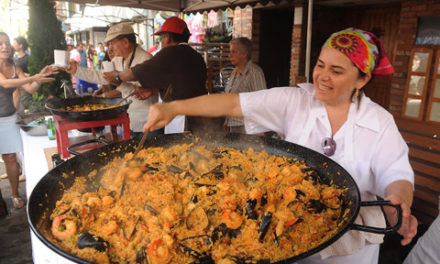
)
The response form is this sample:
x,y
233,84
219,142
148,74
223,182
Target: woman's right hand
x,y
159,115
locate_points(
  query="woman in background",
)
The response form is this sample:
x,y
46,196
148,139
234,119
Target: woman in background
x,y
21,58
12,77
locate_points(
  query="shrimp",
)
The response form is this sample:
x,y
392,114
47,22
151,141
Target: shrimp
x,y
107,201
63,228
158,252
232,219
109,227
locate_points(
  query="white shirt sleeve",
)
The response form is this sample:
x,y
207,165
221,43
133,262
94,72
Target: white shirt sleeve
x,y
390,160
266,110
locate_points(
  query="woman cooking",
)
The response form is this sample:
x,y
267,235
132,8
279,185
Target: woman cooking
x,y
332,116
12,77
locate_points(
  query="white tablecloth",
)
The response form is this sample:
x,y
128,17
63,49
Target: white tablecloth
x,y
35,167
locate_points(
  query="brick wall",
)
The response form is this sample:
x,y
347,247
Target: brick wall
x,y
295,57
421,137
410,12
298,50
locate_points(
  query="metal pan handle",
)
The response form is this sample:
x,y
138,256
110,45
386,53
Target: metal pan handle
x,y
379,230
97,140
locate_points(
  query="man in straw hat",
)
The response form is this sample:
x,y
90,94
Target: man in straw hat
x,y
177,71
122,40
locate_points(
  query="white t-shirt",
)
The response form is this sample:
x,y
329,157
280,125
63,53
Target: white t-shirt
x,y
368,145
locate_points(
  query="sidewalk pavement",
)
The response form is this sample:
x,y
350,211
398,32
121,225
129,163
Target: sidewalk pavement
x,y
15,240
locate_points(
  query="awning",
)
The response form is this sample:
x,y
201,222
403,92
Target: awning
x,y
186,6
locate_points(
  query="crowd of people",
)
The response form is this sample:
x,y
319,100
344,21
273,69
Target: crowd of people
x,y
332,115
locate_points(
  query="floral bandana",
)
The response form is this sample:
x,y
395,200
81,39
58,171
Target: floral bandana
x,y
363,49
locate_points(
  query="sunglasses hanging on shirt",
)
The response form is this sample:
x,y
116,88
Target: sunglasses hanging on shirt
x,y
328,146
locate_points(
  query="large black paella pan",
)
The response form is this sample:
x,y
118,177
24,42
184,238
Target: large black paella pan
x,y
51,187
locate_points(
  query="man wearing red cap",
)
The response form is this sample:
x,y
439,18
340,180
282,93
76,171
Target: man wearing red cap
x,y
177,71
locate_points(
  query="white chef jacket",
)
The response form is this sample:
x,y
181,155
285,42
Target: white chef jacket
x,y
368,145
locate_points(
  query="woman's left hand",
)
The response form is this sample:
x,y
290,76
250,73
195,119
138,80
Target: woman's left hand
x,y
408,229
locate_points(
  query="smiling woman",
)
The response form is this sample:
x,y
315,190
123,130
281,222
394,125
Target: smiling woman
x,y
364,136
12,77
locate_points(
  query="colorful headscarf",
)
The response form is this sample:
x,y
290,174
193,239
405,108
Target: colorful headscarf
x,y
363,49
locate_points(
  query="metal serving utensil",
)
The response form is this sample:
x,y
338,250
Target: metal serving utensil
x,y
124,98
140,145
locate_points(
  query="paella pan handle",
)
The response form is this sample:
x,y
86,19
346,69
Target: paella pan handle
x,y
73,146
379,230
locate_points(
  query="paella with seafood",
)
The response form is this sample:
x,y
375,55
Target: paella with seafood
x,y
192,204
88,107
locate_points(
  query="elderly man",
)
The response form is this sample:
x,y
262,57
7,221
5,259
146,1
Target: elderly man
x,y
177,71
246,77
122,40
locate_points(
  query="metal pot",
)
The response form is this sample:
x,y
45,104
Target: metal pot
x,y
51,187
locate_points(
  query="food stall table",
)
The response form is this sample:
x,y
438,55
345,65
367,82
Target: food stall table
x,y
63,125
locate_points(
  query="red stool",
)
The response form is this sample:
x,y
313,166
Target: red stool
x,y
62,126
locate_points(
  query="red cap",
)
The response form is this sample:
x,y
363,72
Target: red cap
x,y
173,25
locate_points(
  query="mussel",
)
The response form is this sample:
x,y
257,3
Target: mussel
x,y
222,230
250,209
216,171
316,206
201,258
266,219
249,260
151,209
174,169
197,219
141,256
205,259
149,168
91,241
263,200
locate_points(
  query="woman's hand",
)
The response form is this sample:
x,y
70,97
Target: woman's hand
x,y
49,70
408,229
41,78
159,115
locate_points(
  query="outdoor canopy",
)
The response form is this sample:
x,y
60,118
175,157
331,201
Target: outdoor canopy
x,y
186,6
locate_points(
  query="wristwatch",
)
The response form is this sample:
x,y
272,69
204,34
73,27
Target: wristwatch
x,y
117,77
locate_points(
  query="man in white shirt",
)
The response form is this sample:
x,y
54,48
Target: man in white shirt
x,y
122,40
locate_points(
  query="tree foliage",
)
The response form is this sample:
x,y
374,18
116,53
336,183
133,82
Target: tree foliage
x,y
45,34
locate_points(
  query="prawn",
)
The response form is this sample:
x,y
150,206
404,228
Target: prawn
x,y
158,252
63,228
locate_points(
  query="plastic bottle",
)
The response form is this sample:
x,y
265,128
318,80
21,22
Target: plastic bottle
x,y
51,129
